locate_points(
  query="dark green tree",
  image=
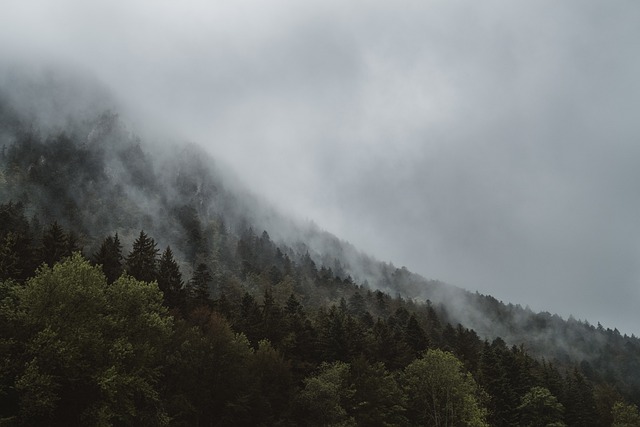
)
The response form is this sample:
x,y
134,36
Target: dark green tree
x,y
580,406
378,399
272,318
92,353
415,336
109,256
54,246
272,390
208,379
170,279
357,304
10,264
17,260
250,320
199,283
142,261
495,379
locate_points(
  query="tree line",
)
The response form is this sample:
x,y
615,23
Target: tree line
x,y
256,336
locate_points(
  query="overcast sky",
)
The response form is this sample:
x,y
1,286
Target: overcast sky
x,y
493,145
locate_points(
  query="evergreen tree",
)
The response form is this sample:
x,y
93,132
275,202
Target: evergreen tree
x,y
170,279
378,399
55,245
415,335
250,321
109,256
357,304
580,406
494,379
142,261
199,283
10,267
272,319
17,259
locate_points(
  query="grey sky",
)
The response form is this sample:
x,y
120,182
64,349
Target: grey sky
x,y
492,145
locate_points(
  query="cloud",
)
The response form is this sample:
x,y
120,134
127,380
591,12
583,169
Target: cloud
x,y
492,145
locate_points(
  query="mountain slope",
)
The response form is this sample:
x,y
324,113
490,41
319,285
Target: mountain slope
x,y
95,178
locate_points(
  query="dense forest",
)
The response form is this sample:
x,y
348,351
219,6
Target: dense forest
x,y
138,286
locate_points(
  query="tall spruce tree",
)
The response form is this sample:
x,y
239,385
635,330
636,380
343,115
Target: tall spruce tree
x,y
170,279
55,245
109,256
199,283
142,261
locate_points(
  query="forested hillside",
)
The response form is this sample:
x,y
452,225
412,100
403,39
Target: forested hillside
x,y
141,286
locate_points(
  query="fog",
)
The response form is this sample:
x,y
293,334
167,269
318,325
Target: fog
x,y
490,145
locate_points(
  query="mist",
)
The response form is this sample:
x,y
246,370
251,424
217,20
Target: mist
x,y
488,145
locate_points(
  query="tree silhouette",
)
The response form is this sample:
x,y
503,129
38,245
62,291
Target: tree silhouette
x,y
170,279
142,261
109,256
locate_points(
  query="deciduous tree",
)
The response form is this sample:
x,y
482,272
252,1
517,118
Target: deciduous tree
x,y
441,393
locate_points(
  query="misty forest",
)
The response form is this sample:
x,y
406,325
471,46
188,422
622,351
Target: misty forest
x,y
141,285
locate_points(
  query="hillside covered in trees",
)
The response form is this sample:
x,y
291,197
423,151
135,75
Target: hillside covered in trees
x,y
141,286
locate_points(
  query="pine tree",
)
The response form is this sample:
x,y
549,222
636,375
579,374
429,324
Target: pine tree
x,y
109,256
272,319
415,336
199,283
170,279
250,320
9,260
55,245
142,261
17,260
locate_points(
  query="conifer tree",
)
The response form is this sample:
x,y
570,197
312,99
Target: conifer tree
x,y
10,267
109,256
17,259
415,336
199,283
170,279
55,245
142,261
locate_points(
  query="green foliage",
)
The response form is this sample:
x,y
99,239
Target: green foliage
x,y
170,280
199,284
378,399
325,396
109,256
625,415
540,408
441,393
142,261
284,337
55,245
91,352
208,380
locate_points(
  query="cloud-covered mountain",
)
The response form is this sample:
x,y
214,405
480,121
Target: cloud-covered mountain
x,y
69,157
